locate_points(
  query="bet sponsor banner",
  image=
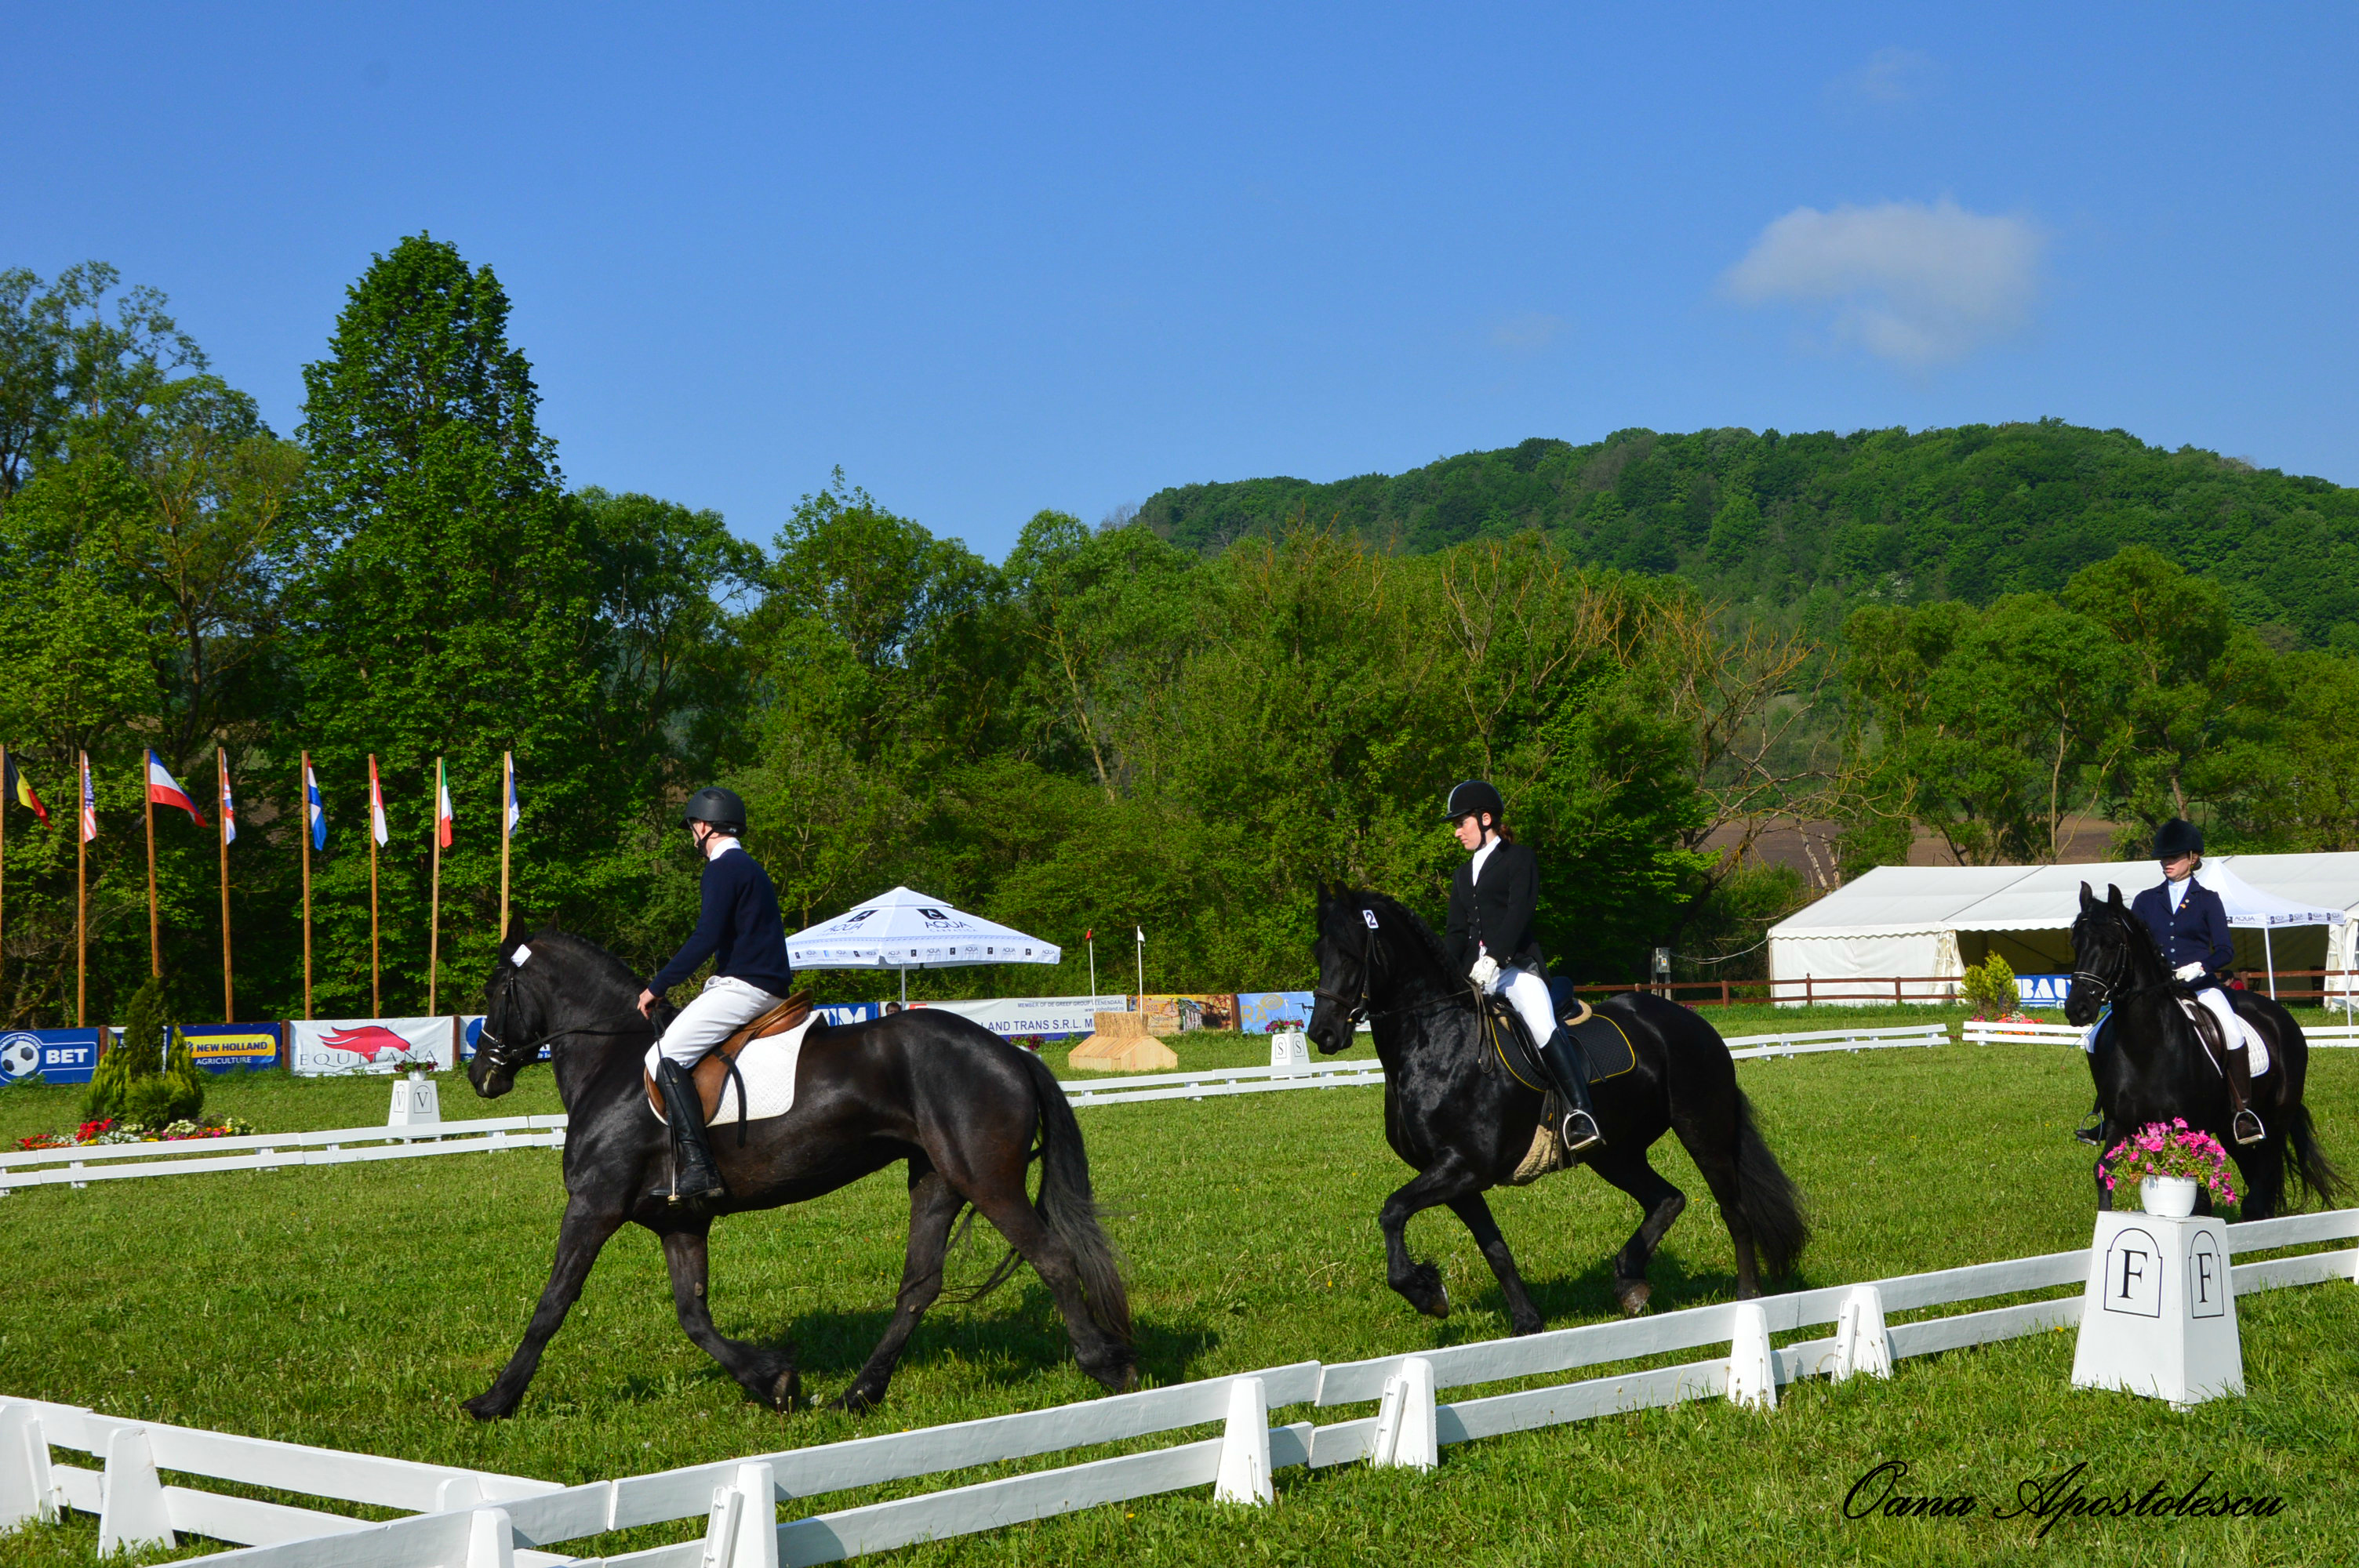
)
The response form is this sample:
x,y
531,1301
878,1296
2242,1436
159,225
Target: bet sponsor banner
x,y
59,1056
231,1047
1266,1012
1050,1016
319,1047
2042,991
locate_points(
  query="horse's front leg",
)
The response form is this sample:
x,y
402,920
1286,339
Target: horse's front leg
x,y
1522,1316
1421,1284
588,1224
768,1376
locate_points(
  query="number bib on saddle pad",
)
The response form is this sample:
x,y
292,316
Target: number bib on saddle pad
x,y
766,1066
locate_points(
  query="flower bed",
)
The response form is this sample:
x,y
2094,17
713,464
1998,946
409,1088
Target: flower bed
x,y
109,1130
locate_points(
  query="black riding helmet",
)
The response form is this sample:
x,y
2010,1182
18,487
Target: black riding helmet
x,y
2176,837
719,806
1473,796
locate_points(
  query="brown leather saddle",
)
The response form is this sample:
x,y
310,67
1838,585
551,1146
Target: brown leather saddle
x,y
713,1073
2207,1029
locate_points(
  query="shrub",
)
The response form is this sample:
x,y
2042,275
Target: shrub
x,y
1989,990
137,1055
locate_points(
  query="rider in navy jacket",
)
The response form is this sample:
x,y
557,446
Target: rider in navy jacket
x,y
739,921
2190,925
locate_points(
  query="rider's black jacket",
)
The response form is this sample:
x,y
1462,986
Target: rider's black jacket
x,y
1496,914
2196,933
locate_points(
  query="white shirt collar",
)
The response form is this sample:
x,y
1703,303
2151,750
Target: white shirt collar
x,y
1483,854
719,845
2179,892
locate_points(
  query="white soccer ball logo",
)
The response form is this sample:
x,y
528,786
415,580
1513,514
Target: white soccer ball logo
x,y
20,1056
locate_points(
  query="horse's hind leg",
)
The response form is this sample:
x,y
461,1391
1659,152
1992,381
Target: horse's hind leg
x,y
1522,1316
1101,1355
585,1229
1627,1168
933,1206
767,1376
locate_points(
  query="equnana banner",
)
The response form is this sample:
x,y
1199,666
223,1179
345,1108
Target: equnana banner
x,y
320,1047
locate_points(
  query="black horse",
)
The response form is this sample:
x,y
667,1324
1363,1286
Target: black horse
x,y
1453,1112
2149,1066
967,1111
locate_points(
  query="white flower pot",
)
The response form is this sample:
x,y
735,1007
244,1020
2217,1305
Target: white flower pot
x,y
2172,1197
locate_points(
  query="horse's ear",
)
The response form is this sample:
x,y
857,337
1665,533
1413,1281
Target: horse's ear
x,y
519,928
2088,899
2113,895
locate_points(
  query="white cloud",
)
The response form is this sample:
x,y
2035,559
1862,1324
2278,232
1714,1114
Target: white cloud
x,y
1890,78
1528,333
1914,284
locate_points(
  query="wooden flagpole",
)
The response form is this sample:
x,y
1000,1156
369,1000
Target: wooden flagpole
x,y
434,921
303,836
229,993
154,940
376,997
507,792
5,794
81,898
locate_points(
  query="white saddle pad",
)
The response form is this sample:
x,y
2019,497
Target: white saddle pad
x,y
769,1068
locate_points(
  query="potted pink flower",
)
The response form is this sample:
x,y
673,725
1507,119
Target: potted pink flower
x,y
2168,1162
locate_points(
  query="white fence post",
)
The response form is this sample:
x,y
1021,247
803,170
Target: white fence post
x,y
490,1539
1244,1475
721,1526
756,1545
131,1495
1862,1342
1405,1434
1751,1365
26,1492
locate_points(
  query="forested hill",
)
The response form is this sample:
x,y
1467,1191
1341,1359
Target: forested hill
x,y
1829,521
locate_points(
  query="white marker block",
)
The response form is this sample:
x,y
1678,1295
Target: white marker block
x,y
1862,1342
1244,1475
2159,1315
26,1489
756,1545
1289,1050
1406,1431
1751,1365
490,1539
417,1102
131,1511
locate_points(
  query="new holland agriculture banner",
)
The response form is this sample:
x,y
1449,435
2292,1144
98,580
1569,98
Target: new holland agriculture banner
x,y
231,1047
319,1047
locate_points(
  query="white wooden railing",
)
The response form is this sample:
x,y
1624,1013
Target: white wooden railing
x,y
87,1162
468,1520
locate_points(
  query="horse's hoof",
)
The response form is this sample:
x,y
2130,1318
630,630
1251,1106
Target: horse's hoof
x,y
1633,1297
1534,1325
855,1401
484,1406
1122,1379
786,1390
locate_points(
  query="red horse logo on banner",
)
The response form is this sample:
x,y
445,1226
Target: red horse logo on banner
x,y
369,1041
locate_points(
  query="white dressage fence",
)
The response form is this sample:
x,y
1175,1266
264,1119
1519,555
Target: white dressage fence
x,y
84,1163
473,1520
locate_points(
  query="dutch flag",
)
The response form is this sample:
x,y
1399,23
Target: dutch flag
x,y
89,801
163,789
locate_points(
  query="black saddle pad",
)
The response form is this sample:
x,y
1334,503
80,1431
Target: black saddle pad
x,y
1607,1048
1600,1040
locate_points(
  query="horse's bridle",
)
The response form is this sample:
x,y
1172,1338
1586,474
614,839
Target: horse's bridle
x,y
508,1056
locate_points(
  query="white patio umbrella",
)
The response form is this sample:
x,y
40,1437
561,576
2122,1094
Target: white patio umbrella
x,y
905,930
2249,907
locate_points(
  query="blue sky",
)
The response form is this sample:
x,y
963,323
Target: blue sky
x,y
995,259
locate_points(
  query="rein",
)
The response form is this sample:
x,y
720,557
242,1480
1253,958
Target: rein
x,y
512,1056
1359,1012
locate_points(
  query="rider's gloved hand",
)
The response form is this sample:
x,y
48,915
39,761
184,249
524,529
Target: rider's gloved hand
x,y
2189,971
1485,970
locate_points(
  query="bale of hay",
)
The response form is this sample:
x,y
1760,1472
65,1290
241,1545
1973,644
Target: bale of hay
x,y
1121,1044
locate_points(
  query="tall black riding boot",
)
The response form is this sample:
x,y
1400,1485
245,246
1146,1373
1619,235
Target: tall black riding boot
x,y
2248,1127
696,1181
1565,1064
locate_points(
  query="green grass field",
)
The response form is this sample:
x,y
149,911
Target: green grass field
x,y
356,1306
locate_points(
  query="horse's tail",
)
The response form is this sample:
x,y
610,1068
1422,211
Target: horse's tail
x,y
2310,1165
1767,1196
1069,1209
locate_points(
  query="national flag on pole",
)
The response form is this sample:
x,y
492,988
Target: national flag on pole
x,y
443,814
14,785
314,809
228,805
163,789
1089,936
1142,933
89,801
376,803
516,812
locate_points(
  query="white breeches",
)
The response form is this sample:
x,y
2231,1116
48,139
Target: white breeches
x,y
2215,998
1528,995
725,1005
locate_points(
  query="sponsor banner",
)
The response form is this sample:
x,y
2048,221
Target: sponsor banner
x,y
1178,1013
231,1047
1266,1012
2042,991
470,1031
1053,1017
839,1013
344,1046
59,1056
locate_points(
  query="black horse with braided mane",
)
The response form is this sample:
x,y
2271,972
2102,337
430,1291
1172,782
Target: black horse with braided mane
x,y
968,1112
2150,1066
1455,1114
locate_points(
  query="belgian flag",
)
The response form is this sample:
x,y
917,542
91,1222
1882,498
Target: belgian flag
x,y
13,787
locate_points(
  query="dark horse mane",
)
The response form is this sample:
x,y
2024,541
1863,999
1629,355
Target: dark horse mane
x,y
2146,954
1361,898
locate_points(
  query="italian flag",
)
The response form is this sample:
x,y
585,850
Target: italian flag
x,y
442,815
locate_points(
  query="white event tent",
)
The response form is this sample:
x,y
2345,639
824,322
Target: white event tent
x,y
1926,924
906,930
